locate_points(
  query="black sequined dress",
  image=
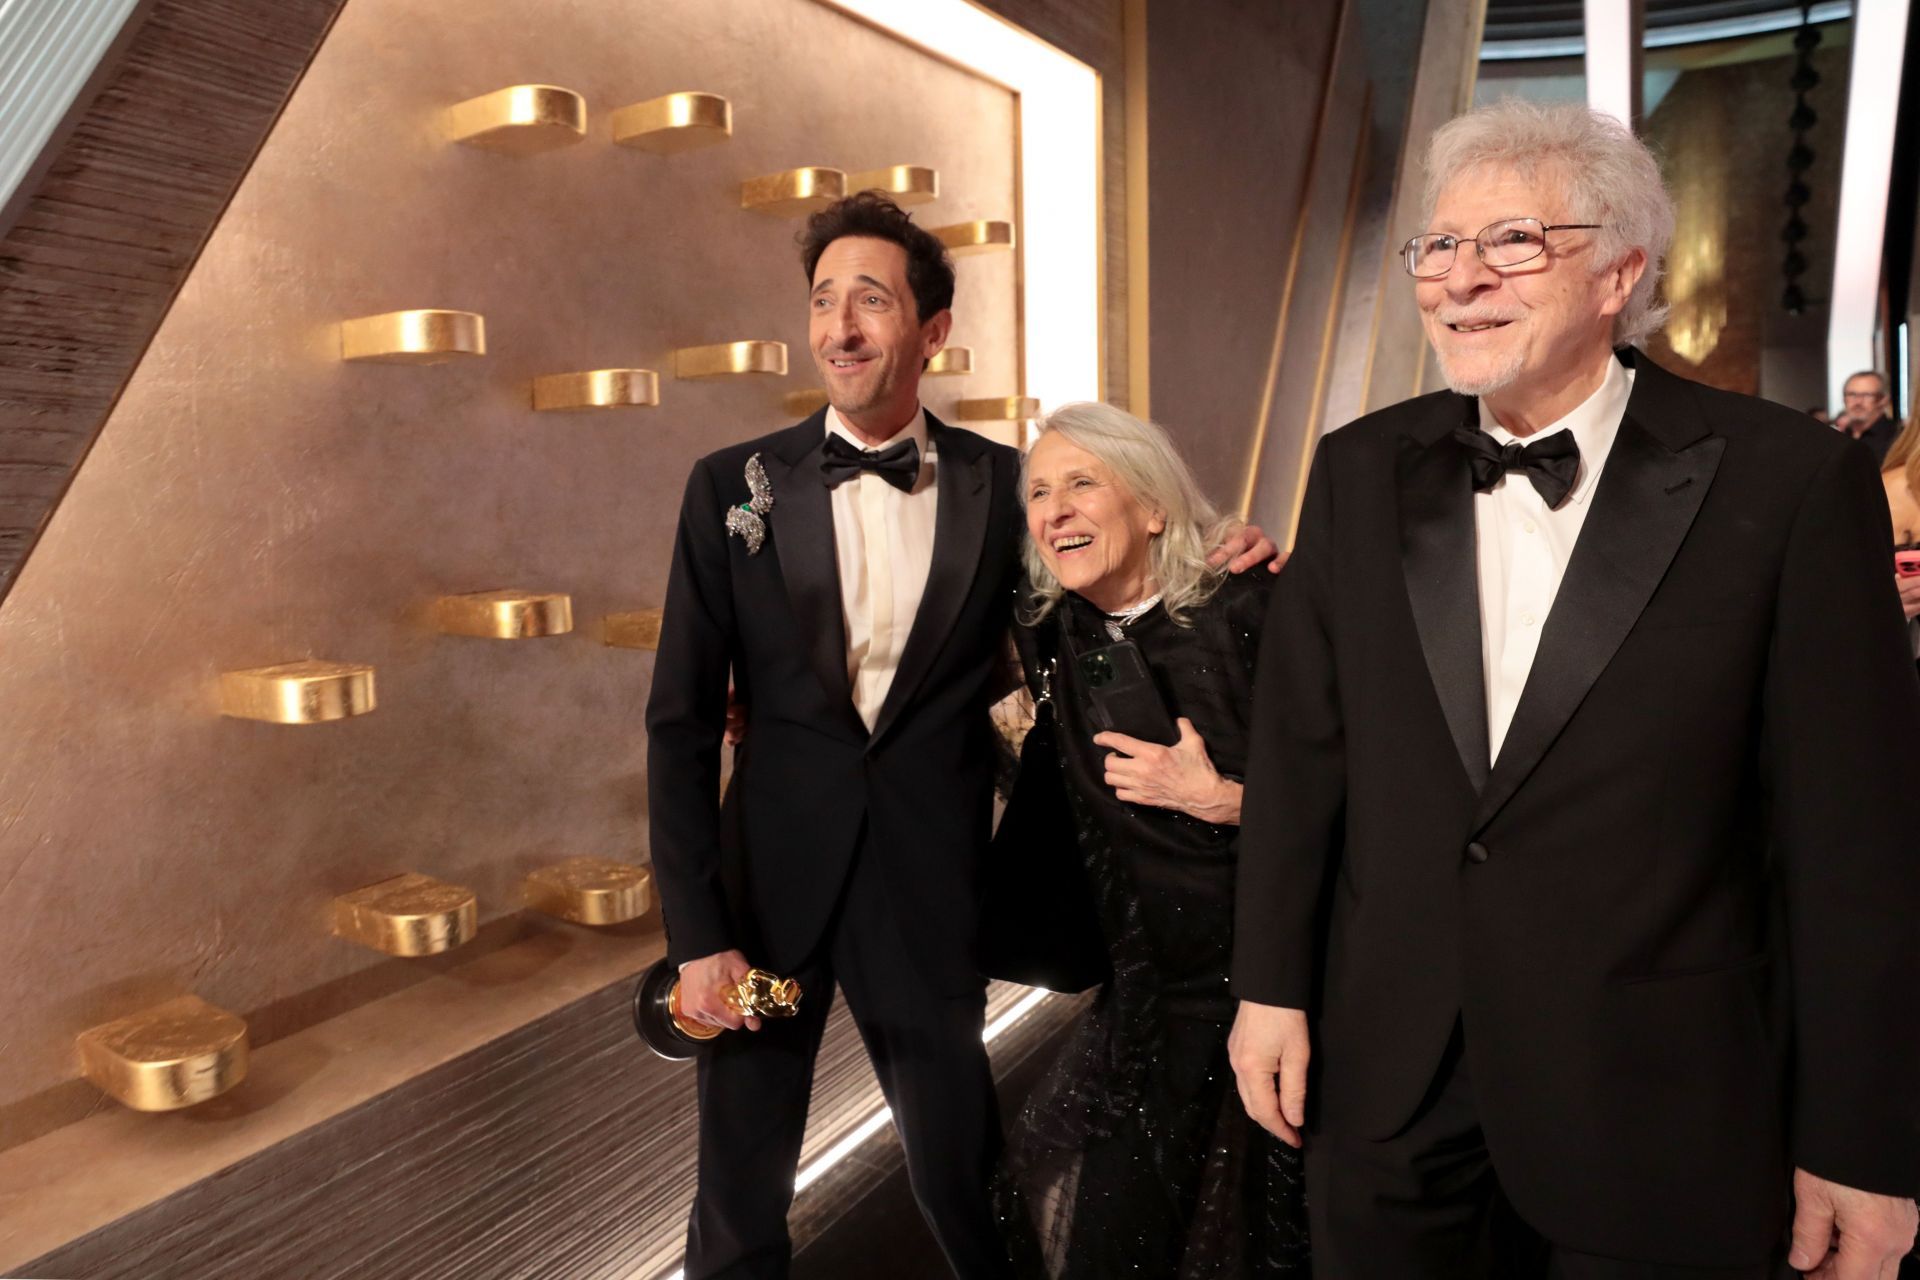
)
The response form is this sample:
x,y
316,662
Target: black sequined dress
x,y
1133,1157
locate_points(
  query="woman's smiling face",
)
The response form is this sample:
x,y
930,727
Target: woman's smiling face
x,y
1093,534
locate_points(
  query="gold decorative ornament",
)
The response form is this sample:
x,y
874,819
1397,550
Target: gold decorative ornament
x,y
904,183
951,360
804,403
963,238
637,630
520,120
414,337
794,192
409,915
505,615
597,389
674,123
590,891
168,1057
998,409
725,359
307,692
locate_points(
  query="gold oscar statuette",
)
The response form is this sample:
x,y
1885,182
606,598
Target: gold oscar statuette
x,y
657,1016
903,183
951,360
638,629
597,389
793,192
408,915
168,1057
427,336
505,615
520,120
998,409
727,359
308,692
674,123
804,403
593,891
963,238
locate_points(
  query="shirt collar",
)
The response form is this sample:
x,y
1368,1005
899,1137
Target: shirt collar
x,y
1594,423
915,430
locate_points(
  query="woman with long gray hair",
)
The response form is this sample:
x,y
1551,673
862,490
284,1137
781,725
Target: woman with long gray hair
x,y
1134,1155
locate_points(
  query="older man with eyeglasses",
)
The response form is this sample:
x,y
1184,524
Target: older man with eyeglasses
x,y
1571,857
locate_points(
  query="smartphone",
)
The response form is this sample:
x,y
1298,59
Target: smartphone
x,y
1907,563
1123,696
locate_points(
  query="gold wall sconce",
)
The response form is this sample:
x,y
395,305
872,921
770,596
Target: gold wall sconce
x,y
408,915
307,692
520,120
804,403
905,183
793,192
951,360
963,238
590,891
674,123
414,337
998,409
505,615
597,389
725,359
171,1056
639,629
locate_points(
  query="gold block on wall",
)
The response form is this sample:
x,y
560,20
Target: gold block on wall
x,y
724,359
168,1057
409,915
951,360
805,403
505,615
426,336
998,409
793,192
963,238
674,123
519,120
597,389
306,692
590,891
639,629
905,183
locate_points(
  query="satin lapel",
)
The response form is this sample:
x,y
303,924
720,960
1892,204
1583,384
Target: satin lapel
x,y
1648,497
802,522
959,530
1443,583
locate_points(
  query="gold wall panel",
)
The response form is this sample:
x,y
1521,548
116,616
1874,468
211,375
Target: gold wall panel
x,y
793,192
590,891
907,184
951,360
173,1055
674,123
985,236
252,497
726,359
639,629
305,692
408,915
505,615
803,403
597,389
998,409
521,120
426,336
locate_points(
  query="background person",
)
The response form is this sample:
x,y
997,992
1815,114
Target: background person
x,y
1867,414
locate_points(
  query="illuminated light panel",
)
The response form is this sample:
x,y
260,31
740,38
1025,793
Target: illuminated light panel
x,y
1612,36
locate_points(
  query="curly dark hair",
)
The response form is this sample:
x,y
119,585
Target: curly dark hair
x,y
929,270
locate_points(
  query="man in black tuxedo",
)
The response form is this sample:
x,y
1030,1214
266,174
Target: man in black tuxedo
x,y
1586,861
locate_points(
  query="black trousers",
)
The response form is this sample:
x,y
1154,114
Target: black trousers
x,y
1426,1204
926,1051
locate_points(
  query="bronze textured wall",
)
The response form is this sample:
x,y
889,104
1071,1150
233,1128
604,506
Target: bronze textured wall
x,y
254,500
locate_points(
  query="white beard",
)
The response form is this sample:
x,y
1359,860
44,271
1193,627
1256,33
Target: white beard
x,y
1498,378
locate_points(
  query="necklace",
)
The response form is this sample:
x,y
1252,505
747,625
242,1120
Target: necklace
x,y
1116,622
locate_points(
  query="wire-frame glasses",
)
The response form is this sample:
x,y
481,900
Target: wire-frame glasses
x,y
1506,243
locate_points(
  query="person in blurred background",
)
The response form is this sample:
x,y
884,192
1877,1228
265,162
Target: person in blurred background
x,y
1866,415
1901,476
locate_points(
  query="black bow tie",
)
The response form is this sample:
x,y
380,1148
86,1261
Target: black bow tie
x,y
897,464
1553,464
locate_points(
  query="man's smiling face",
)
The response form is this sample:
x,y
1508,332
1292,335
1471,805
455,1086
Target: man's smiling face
x,y
866,333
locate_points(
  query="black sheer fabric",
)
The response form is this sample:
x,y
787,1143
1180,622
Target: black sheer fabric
x,y
1133,1156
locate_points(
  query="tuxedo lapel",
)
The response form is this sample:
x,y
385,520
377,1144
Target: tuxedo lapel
x,y
1443,583
802,523
959,530
1656,477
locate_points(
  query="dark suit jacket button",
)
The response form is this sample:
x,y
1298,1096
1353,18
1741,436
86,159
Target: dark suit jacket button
x,y
1476,852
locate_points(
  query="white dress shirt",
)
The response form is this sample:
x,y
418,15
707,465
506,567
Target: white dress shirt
x,y
1523,546
883,542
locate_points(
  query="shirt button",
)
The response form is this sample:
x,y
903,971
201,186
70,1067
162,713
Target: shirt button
x,y
1526,619
1530,527
1476,852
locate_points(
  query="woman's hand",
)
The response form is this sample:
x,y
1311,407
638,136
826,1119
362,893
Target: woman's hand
x,y
1179,777
1909,594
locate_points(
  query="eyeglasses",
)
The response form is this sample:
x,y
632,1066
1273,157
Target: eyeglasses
x,y
1506,243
